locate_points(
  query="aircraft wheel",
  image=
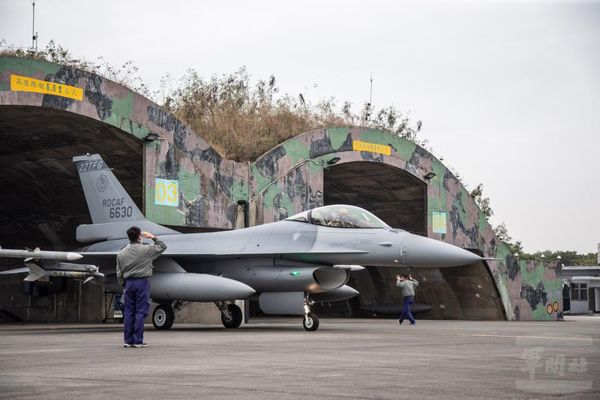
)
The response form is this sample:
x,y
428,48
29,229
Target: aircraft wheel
x,y
310,322
234,319
163,317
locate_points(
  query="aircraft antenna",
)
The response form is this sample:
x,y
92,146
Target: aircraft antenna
x,y
371,91
369,105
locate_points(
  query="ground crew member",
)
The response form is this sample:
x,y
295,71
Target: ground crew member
x,y
134,267
408,285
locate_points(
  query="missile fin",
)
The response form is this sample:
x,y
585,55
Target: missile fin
x,y
35,272
88,279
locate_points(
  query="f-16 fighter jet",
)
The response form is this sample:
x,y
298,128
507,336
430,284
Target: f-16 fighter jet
x,y
288,265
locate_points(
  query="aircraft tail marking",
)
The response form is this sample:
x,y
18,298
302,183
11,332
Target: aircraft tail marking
x,y
106,198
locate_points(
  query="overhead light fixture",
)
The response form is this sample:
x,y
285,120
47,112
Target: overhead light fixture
x,y
151,137
429,176
333,160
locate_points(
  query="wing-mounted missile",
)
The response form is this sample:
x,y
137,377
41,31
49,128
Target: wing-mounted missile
x,y
37,272
39,269
38,254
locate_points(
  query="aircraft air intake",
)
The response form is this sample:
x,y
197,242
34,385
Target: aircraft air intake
x,y
330,278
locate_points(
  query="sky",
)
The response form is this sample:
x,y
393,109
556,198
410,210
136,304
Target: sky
x,y
508,91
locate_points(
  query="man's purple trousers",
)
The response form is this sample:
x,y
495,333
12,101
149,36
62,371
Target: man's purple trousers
x,y
406,313
137,305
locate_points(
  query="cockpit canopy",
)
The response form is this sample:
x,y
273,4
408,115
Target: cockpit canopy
x,y
340,216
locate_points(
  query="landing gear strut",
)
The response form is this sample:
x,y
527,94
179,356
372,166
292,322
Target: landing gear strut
x,y
231,315
310,320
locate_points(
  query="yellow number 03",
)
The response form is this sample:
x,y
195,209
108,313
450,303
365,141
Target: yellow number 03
x,y
166,192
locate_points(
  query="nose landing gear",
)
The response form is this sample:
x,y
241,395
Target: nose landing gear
x,y
310,320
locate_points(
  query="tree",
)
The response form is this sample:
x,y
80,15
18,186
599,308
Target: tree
x,y
243,120
126,74
482,202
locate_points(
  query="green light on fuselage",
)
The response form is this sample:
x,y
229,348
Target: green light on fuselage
x,y
295,273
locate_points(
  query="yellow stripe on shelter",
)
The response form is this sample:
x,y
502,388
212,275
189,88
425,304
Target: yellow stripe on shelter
x,y
358,145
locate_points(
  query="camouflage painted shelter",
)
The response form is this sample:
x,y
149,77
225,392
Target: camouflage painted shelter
x,y
50,112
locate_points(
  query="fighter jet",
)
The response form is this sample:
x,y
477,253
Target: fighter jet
x,y
287,265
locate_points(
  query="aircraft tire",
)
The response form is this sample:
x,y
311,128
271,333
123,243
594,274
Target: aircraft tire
x,y
236,317
313,322
163,317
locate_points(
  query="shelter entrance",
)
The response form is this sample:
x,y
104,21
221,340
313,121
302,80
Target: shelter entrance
x,y
42,199
394,195
400,200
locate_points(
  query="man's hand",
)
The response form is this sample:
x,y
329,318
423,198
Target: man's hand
x,y
147,235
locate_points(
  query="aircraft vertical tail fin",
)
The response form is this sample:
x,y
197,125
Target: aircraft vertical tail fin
x,y
106,198
111,208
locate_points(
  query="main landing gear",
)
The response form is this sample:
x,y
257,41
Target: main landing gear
x,y
310,320
164,314
231,314
163,317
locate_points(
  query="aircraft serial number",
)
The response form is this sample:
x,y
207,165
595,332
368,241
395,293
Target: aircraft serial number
x,y
120,212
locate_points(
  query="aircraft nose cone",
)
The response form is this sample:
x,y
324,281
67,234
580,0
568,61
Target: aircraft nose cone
x,y
424,252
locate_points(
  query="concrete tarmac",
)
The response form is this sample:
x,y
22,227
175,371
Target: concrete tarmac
x,y
277,359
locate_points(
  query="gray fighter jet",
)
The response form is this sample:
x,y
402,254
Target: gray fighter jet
x,y
288,265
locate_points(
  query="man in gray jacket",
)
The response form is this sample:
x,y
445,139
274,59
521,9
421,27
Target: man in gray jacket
x,y
134,267
408,285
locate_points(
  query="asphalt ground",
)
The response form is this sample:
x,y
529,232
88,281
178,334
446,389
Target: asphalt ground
x,y
277,359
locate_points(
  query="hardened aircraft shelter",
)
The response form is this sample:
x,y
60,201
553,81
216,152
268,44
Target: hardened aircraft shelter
x,y
50,113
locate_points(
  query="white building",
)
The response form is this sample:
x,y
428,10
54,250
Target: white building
x,y
584,289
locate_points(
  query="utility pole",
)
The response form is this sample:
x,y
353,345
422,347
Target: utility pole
x,y
34,35
370,103
371,91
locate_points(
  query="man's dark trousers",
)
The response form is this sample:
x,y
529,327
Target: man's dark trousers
x,y
408,300
137,304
